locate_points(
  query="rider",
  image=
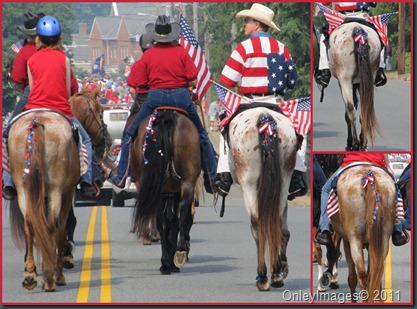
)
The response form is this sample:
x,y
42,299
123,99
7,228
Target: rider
x,y
19,75
379,159
404,178
247,68
352,9
169,72
49,80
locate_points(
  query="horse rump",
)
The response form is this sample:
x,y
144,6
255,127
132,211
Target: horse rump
x,y
156,153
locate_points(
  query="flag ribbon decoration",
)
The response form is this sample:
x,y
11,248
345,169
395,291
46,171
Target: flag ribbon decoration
x,y
380,21
268,126
189,42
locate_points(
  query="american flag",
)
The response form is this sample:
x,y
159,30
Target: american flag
x,y
16,47
299,112
332,17
189,42
230,100
332,203
381,22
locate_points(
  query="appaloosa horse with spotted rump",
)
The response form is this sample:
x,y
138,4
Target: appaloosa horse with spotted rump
x,y
263,146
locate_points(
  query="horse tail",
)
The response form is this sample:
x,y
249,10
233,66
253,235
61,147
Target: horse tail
x,y
269,189
375,235
369,121
157,157
37,213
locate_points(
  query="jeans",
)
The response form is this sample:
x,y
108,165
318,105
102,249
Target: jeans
x,y
318,175
324,223
177,98
87,176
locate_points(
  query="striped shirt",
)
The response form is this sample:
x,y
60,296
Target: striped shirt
x,y
247,66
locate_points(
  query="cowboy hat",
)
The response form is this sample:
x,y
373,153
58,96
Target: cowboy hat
x,y
260,13
163,30
29,23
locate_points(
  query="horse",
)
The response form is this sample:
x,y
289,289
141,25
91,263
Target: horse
x,y
354,53
366,218
45,167
329,278
263,146
89,113
165,162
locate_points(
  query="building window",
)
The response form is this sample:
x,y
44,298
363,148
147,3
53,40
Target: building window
x,y
124,52
114,52
96,52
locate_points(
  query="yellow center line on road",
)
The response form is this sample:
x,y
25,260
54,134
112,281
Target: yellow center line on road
x,y
85,277
105,292
388,277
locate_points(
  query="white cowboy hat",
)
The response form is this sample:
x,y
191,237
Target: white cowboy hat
x,y
260,13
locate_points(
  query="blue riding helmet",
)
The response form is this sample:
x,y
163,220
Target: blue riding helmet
x,y
48,26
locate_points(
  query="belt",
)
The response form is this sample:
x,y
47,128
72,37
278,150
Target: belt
x,y
257,96
251,95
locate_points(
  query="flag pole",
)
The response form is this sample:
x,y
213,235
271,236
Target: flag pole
x,y
238,95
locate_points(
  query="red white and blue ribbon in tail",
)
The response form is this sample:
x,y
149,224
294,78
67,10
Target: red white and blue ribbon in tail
x,y
150,134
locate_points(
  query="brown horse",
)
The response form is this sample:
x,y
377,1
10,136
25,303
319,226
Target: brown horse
x,y
89,112
45,167
165,162
366,217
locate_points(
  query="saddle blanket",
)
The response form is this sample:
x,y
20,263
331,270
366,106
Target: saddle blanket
x,y
333,202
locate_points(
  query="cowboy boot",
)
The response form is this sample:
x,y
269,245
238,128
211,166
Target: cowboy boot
x,y
380,78
323,77
222,183
398,239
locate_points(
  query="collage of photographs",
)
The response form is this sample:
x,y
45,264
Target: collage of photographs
x,y
207,153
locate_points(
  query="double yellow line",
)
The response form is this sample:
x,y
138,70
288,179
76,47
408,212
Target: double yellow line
x,y
85,278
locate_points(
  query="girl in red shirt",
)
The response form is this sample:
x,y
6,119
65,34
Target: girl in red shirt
x,y
50,83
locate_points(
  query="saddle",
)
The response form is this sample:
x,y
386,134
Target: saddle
x,y
173,109
243,107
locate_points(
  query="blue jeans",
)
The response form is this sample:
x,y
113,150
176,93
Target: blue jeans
x,y
406,176
177,98
318,175
86,177
324,222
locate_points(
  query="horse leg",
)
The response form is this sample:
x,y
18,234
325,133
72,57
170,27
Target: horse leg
x,y
356,249
163,232
68,259
29,277
350,114
280,268
262,282
61,238
183,246
352,278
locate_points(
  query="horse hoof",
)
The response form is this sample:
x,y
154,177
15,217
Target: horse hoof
x,y
180,258
29,281
68,262
164,270
334,286
262,285
147,241
60,281
325,279
48,288
175,269
277,280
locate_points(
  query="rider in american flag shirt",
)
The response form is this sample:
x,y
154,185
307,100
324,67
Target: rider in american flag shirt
x,y
262,69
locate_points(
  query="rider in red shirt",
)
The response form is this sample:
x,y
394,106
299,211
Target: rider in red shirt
x,y
50,83
169,72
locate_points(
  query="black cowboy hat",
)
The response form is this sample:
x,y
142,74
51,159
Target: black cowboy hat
x,y
29,23
163,30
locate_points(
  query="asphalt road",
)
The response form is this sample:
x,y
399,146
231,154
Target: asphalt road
x,y
392,107
113,266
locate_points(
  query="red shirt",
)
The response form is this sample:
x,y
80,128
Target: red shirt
x,y
132,79
165,66
374,158
49,88
19,72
